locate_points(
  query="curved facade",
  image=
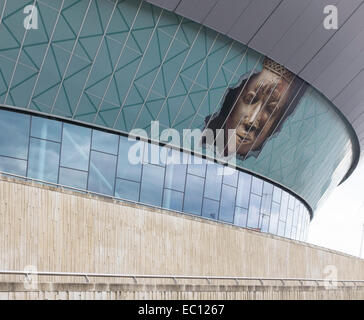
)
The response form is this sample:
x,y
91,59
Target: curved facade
x,y
121,65
97,161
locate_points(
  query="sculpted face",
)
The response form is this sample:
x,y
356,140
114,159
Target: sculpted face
x,y
259,107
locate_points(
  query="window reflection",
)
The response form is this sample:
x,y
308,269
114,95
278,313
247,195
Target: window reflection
x,y
127,169
284,206
152,185
46,129
153,154
274,216
227,204
105,142
281,228
243,194
264,223
16,126
172,200
126,189
267,198
13,166
210,209
291,202
257,186
213,181
43,160
277,194
197,166
102,173
241,216
175,177
73,178
75,147
294,233
193,194
289,223
254,210
230,176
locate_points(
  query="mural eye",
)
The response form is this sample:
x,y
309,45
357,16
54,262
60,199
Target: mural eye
x,y
250,97
271,107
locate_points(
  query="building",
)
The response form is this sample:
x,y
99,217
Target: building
x,y
77,86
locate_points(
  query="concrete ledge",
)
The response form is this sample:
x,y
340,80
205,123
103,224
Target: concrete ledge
x,y
97,287
102,291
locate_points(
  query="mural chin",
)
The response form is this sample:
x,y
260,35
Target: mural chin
x,y
257,108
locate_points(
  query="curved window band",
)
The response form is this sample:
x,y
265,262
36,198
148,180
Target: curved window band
x,y
93,160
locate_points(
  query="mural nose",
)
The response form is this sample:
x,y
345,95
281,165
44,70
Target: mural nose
x,y
255,113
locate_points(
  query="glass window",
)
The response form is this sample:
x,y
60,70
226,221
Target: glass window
x,y
73,178
46,129
296,215
15,142
294,233
243,194
257,186
75,147
43,160
274,216
176,176
197,166
105,142
284,206
154,154
213,181
126,189
130,170
14,166
102,173
264,223
277,194
297,204
291,202
152,185
254,210
227,204
173,156
306,224
193,194
241,216
281,228
289,223
172,200
267,198
299,225
230,176
288,230
210,209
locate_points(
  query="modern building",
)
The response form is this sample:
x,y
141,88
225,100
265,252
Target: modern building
x,y
85,83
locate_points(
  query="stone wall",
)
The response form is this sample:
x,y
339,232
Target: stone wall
x,y
49,229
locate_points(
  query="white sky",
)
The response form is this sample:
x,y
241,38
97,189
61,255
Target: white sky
x,y
338,224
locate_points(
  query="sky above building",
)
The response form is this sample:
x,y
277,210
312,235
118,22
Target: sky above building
x,y
338,224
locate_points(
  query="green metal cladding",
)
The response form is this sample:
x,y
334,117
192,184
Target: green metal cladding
x,y
123,64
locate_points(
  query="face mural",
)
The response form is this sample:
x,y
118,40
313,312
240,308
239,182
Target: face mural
x,y
257,108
